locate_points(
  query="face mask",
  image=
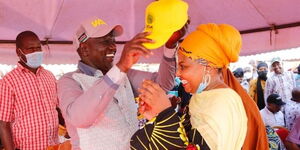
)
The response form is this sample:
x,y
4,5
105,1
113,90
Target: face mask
x,y
34,60
204,83
262,75
201,87
177,81
248,75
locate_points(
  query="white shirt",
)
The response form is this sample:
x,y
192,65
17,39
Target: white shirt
x,y
272,119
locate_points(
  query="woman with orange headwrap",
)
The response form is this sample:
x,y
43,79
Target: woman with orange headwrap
x,y
221,114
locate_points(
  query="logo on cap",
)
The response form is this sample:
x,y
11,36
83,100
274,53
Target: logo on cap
x,y
82,37
97,22
149,19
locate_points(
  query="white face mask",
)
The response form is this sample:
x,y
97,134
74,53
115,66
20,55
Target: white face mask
x,y
34,60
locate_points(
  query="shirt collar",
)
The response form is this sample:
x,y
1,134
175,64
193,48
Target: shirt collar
x,y
269,112
281,74
22,68
88,70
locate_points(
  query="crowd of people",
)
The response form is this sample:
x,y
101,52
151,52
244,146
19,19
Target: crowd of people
x,y
104,106
277,95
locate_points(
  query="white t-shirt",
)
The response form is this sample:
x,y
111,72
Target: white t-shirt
x,y
272,119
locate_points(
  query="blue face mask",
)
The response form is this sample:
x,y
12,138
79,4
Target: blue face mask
x,y
34,60
201,87
177,81
203,84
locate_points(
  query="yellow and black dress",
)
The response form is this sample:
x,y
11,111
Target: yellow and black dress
x,y
168,132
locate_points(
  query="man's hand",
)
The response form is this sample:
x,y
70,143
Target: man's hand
x,y
175,101
6,135
291,146
133,50
176,36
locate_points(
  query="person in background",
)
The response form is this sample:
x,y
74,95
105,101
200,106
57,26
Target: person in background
x,y
257,86
293,139
292,108
28,100
297,77
281,82
253,64
248,73
239,74
271,114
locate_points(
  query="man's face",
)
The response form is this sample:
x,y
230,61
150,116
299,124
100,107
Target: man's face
x,y
252,63
30,45
101,52
263,68
276,66
274,107
240,79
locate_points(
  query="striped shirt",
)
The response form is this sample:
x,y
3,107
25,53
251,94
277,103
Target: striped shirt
x,y
29,102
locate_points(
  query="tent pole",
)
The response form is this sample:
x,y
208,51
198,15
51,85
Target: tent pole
x,y
272,27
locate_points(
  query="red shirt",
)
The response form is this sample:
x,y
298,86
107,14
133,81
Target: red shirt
x,y
29,102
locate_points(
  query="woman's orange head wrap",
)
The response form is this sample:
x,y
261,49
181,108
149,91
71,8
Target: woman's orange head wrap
x,y
218,44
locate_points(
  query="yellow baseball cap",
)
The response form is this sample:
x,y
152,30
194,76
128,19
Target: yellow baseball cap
x,y
162,19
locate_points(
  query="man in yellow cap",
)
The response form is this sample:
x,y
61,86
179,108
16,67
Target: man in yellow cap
x,y
221,112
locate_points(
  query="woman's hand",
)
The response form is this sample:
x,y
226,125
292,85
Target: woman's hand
x,y
153,99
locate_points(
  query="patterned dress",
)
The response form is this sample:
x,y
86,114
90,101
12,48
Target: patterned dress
x,y
274,141
168,131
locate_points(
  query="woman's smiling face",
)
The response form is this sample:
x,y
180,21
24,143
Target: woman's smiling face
x,y
190,72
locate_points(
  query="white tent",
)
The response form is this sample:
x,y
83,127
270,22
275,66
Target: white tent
x,y
266,25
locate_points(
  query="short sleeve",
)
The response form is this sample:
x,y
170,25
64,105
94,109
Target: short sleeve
x,y
7,100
